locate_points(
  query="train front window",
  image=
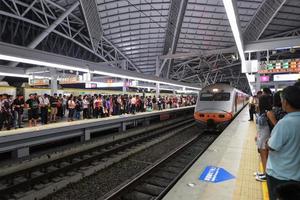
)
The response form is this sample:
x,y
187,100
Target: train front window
x,y
206,97
221,96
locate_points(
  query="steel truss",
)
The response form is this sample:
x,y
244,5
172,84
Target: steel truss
x,y
25,20
208,70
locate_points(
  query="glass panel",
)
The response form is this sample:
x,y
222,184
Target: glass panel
x,y
222,96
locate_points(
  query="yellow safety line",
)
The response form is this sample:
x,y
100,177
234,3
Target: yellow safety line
x,y
264,186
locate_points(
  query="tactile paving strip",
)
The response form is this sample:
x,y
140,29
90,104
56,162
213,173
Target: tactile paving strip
x,y
246,185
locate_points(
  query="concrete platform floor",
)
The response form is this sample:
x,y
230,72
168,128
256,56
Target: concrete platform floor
x,y
235,151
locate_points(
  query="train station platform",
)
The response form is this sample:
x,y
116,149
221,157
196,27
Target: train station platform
x,y
20,141
225,170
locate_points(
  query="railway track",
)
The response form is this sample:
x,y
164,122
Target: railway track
x,y
18,184
157,180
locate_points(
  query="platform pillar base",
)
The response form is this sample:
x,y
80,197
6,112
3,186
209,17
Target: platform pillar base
x,y
122,127
20,153
86,136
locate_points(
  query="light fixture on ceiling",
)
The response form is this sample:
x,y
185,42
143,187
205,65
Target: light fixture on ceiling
x,y
41,63
86,70
234,27
141,79
233,21
14,75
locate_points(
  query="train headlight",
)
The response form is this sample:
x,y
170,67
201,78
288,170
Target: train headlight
x,y
215,90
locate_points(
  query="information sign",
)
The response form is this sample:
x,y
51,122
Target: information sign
x,y
215,174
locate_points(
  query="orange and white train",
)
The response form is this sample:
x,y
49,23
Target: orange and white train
x,y
217,105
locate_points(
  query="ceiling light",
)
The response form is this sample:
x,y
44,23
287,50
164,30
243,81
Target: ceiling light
x,y
36,62
66,67
141,79
234,27
14,75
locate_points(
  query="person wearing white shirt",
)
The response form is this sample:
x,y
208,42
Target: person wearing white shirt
x,y
44,105
85,106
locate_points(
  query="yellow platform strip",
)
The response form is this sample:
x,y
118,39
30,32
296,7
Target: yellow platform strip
x,y
247,188
264,186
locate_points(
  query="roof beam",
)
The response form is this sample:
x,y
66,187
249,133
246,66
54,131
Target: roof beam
x,y
199,53
272,44
176,15
48,30
92,20
261,20
106,50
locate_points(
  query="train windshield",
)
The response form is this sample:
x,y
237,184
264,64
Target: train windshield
x,y
221,96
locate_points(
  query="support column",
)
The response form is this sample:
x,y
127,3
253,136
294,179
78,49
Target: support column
x,y
122,127
276,87
257,83
86,136
21,153
157,72
157,89
54,76
124,80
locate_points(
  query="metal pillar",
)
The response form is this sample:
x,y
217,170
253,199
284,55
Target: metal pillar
x,y
257,83
124,80
276,87
157,90
54,76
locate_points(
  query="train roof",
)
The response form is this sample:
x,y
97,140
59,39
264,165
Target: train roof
x,y
222,86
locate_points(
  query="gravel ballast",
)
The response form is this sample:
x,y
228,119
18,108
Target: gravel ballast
x,y
97,185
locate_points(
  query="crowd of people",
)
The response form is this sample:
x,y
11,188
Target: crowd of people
x,y
46,108
278,140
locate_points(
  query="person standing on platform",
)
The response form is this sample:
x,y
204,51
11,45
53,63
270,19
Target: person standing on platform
x,y
18,106
251,107
6,118
277,112
33,108
283,165
85,106
53,105
59,106
263,134
44,105
71,107
64,105
78,107
96,107
133,104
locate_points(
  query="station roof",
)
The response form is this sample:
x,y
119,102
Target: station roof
x,y
185,40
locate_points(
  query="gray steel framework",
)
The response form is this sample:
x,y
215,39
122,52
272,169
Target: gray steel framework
x,y
194,34
40,13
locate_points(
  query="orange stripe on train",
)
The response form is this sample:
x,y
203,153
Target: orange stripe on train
x,y
217,117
